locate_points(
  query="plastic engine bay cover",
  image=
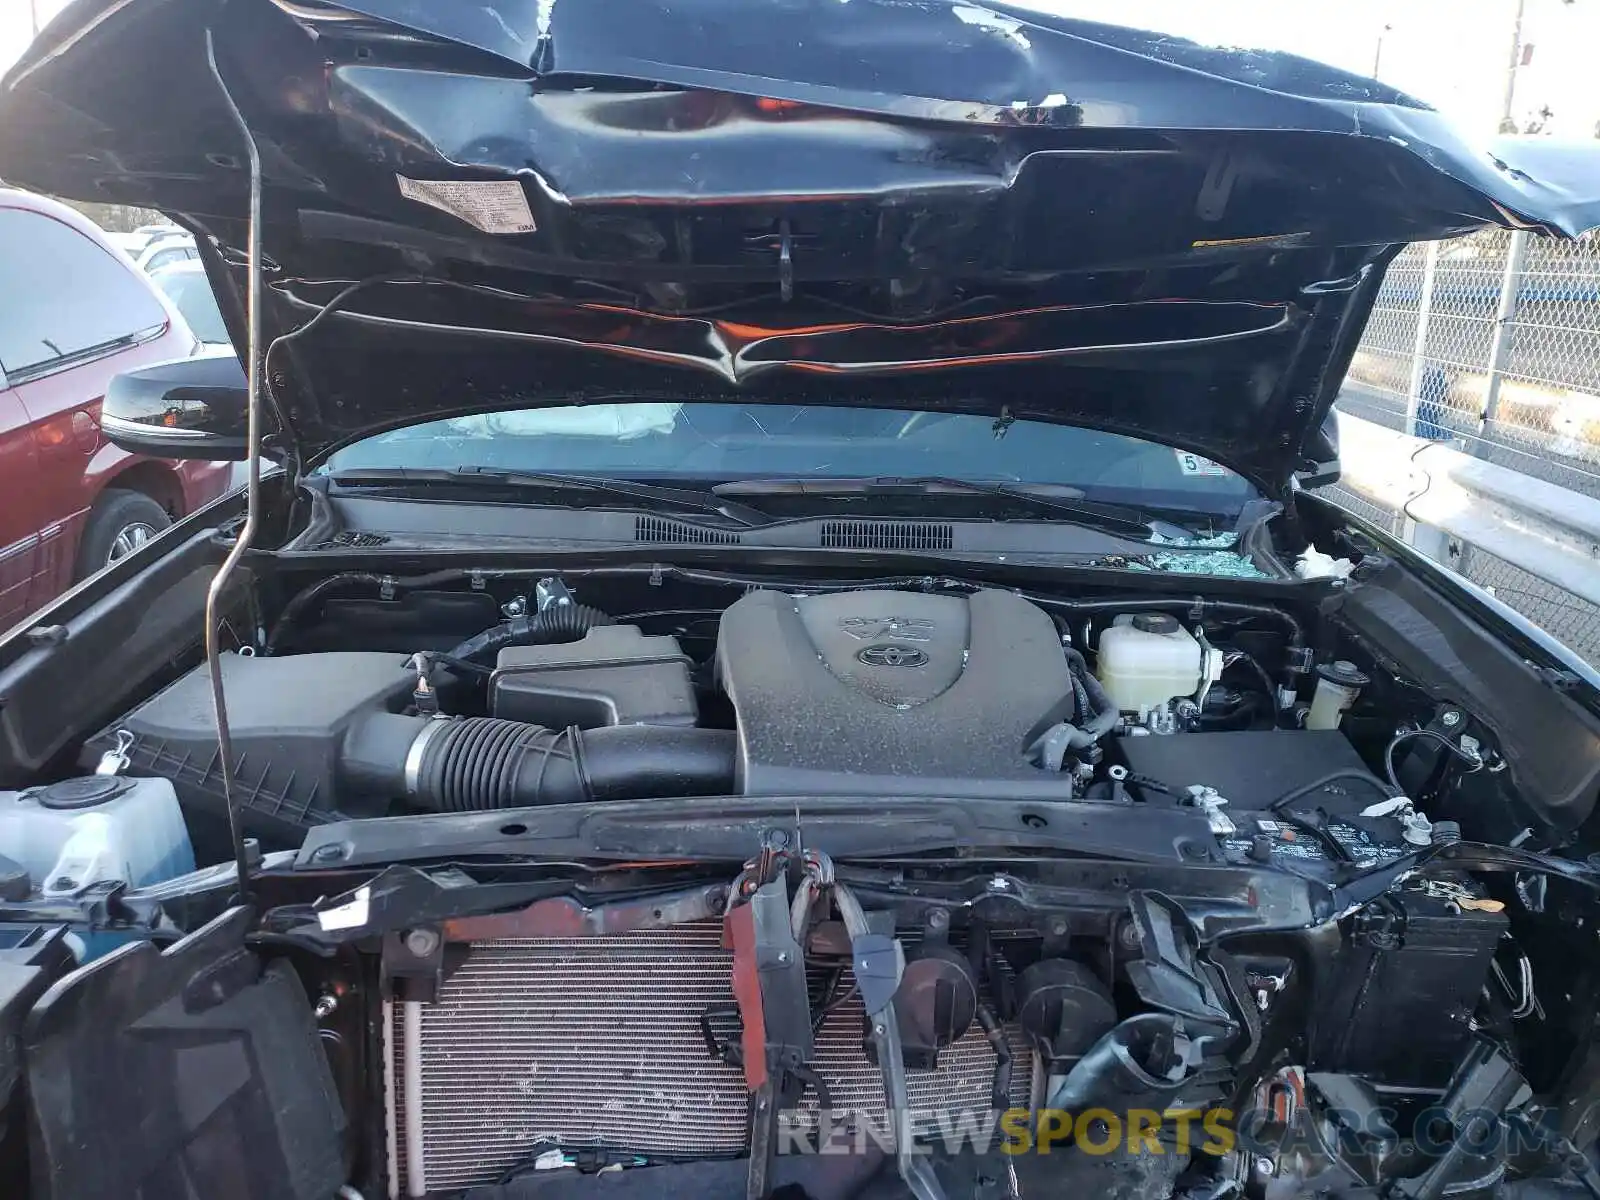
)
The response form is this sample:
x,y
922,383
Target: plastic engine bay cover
x,y
893,692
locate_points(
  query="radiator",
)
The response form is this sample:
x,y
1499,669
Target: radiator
x,y
597,1041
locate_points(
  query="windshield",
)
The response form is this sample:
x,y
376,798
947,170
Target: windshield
x,y
729,441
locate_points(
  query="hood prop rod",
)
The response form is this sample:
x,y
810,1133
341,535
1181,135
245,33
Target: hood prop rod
x,y
246,534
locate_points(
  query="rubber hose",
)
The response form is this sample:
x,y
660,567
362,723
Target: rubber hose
x,y
1343,774
474,763
1000,1095
1235,717
1080,699
1242,608
1103,715
559,623
1139,1064
303,600
1240,658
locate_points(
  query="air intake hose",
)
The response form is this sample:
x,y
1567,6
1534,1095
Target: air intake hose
x,y
558,623
1140,1063
470,763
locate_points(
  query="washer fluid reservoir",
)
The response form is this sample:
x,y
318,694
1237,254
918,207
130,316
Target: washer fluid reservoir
x,y
96,829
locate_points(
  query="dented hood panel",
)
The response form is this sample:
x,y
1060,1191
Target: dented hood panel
x,y
932,204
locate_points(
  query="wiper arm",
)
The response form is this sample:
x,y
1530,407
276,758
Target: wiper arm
x,y
1051,498
648,494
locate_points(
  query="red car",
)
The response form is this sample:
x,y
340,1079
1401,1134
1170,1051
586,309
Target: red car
x,y
73,313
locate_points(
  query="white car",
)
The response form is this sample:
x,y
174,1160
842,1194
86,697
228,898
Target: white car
x,y
129,243
166,249
184,282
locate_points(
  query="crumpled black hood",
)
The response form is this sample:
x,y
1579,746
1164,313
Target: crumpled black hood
x,y
939,205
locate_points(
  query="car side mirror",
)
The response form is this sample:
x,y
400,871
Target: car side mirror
x,y
187,408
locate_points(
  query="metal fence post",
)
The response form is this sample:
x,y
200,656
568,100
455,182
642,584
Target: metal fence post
x,y
1419,356
1504,325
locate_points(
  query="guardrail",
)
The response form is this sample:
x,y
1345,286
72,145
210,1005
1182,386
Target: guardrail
x,y
1450,504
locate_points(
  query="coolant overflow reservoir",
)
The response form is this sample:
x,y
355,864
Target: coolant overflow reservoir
x,y
1148,659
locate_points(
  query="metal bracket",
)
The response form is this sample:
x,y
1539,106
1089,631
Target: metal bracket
x,y
774,1002
411,964
783,242
916,1171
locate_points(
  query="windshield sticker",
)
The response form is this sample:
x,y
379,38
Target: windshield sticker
x,y
492,205
1192,464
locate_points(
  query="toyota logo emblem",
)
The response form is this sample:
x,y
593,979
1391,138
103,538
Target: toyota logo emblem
x,y
893,656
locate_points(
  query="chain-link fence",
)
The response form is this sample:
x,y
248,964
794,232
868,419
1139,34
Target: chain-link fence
x,y
1568,618
1492,343
1385,518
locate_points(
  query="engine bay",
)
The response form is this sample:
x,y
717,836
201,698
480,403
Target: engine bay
x,y
971,692
675,883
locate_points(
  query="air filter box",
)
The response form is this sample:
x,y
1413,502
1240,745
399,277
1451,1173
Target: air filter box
x,y
288,718
614,675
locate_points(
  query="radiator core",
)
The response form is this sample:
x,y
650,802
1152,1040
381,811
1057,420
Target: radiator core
x,y
597,1041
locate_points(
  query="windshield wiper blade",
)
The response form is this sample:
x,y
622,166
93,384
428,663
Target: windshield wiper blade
x,y
648,494
1050,498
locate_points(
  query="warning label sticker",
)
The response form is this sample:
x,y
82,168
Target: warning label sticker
x,y
492,205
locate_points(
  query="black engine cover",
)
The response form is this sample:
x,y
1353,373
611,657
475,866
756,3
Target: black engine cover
x,y
898,693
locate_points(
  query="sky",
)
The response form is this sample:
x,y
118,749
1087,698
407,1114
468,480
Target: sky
x,y
1451,53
